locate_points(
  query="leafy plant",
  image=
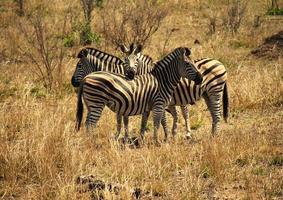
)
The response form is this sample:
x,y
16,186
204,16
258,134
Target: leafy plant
x,y
87,36
274,11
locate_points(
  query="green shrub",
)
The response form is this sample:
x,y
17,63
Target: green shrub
x,y
87,36
274,11
7,92
69,40
80,34
276,161
38,92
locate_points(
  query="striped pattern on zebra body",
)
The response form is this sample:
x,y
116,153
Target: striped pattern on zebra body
x,y
214,86
147,92
93,60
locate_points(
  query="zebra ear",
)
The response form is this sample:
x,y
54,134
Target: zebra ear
x,y
123,48
131,48
138,49
82,53
187,51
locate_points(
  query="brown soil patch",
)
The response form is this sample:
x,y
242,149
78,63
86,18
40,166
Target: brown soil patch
x,y
272,47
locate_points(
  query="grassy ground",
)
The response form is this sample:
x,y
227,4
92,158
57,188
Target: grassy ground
x,y
41,156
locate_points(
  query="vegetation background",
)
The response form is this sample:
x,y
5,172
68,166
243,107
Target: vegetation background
x,y
41,156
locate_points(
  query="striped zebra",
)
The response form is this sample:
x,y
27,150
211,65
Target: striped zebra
x,y
92,60
147,92
213,86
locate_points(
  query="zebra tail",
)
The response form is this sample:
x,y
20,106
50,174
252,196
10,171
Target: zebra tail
x,y
225,100
80,108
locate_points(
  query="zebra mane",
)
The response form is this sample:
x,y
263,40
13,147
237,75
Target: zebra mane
x,y
170,57
98,54
145,57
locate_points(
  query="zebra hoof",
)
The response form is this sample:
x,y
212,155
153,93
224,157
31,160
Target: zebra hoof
x,y
188,136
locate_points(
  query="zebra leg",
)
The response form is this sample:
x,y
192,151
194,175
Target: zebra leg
x,y
119,125
93,115
126,126
213,103
165,127
158,112
185,113
143,123
173,111
87,122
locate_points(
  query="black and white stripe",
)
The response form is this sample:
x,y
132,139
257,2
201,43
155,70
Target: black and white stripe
x,y
147,92
93,60
214,86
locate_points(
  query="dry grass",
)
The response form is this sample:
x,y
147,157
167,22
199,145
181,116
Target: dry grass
x,y
41,156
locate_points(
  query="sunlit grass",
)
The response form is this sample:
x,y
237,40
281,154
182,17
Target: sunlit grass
x,y
41,155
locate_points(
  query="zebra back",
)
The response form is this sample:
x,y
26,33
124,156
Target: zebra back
x,y
102,61
214,77
92,60
214,74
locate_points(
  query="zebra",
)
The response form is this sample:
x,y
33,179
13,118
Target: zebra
x,y
214,85
147,92
92,60
185,93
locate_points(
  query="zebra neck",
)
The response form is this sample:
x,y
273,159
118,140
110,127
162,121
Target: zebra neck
x,y
145,64
168,77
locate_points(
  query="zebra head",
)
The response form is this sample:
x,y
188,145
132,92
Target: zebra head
x,y
83,68
189,70
131,61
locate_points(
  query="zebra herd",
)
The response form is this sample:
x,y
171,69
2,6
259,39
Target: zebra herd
x,y
137,85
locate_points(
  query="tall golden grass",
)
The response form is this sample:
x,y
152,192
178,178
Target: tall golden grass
x,y
41,155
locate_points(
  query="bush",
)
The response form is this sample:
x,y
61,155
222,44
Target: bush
x,y
88,37
274,11
235,14
41,46
69,40
125,22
